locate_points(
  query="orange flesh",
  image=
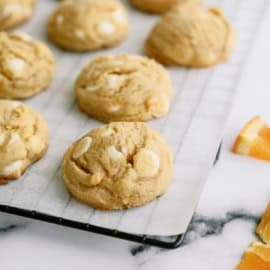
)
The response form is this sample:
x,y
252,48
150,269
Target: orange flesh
x,y
263,230
265,135
256,145
260,149
256,258
253,262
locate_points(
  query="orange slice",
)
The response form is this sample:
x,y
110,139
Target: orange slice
x,y
263,230
254,140
257,257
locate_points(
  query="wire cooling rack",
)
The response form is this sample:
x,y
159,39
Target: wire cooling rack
x,y
169,242
201,104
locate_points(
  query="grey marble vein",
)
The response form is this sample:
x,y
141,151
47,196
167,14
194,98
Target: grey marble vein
x,y
202,227
10,223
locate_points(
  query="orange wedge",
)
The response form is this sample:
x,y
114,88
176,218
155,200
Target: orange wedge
x,y
263,230
257,257
254,140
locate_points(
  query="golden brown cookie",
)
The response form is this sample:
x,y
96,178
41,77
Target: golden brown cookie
x,y
157,6
190,35
24,138
117,166
124,88
88,24
26,66
15,12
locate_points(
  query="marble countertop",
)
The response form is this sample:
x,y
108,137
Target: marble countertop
x,y
233,200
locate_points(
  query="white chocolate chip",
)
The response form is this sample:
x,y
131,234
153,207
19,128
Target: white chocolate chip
x,y
114,153
163,107
116,62
14,138
106,28
10,9
79,34
146,163
108,132
15,8
124,150
119,16
82,147
92,88
59,19
114,108
2,138
14,167
14,104
15,65
113,81
22,35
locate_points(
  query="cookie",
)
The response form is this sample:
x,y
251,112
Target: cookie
x,y
124,88
157,6
190,35
15,12
117,166
24,139
26,66
87,25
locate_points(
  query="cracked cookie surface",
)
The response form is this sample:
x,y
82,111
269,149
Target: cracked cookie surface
x,y
87,25
123,88
190,35
26,66
24,138
117,166
157,6
15,12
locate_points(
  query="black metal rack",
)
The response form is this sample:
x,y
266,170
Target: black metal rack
x,y
172,242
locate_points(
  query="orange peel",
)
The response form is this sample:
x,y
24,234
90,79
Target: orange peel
x,y
263,230
254,140
257,257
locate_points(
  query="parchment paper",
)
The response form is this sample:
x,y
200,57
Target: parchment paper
x,y
200,106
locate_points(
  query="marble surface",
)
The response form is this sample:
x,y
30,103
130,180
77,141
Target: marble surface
x,y
233,200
